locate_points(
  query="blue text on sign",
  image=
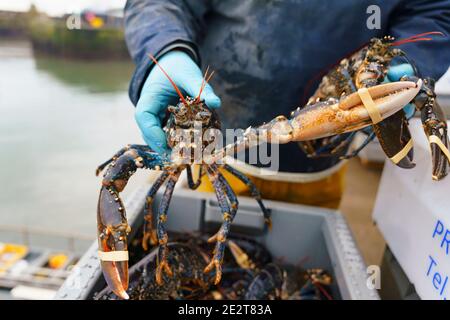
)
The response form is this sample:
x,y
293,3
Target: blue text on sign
x,y
440,231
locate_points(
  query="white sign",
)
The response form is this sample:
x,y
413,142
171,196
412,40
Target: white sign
x,y
413,213
443,85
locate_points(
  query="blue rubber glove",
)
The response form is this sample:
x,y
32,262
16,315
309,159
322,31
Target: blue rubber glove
x,y
158,93
394,74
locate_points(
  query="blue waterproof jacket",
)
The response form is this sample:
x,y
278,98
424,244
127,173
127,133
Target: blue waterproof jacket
x,y
265,51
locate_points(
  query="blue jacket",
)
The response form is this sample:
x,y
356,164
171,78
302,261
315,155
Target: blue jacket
x,y
265,51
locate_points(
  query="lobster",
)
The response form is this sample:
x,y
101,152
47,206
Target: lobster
x,y
326,118
367,68
276,282
258,278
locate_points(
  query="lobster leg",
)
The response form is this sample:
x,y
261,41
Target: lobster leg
x,y
234,203
163,264
240,256
228,215
343,143
355,152
149,232
333,145
194,185
253,191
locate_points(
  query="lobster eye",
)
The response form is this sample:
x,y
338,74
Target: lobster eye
x,y
202,116
183,110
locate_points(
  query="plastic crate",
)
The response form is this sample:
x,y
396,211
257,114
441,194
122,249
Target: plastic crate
x,y
319,237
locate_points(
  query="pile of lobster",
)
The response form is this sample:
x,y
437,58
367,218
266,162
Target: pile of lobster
x,y
351,97
249,273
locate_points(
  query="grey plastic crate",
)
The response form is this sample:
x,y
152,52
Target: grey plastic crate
x,y
318,237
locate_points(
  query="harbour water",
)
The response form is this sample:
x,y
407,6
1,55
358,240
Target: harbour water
x,y
58,120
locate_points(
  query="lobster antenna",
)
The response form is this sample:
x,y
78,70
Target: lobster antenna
x,y
426,34
418,37
398,43
170,79
210,76
206,80
322,289
202,86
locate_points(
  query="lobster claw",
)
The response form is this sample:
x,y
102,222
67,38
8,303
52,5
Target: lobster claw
x,y
395,140
435,126
116,275
112,240
352,112
390,125
388,98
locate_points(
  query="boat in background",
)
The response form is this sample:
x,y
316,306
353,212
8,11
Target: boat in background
x,y
36,271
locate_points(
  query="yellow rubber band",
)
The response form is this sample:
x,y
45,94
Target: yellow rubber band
x,y
113,255
441,145
399,156
370,106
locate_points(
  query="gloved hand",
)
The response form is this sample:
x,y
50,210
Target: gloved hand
x,y
394,74
157,93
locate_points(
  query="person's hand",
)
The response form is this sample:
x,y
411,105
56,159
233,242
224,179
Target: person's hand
x,y
157,93
395,73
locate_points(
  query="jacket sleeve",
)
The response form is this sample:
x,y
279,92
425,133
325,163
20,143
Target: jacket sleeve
x,y
157,26
418,16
